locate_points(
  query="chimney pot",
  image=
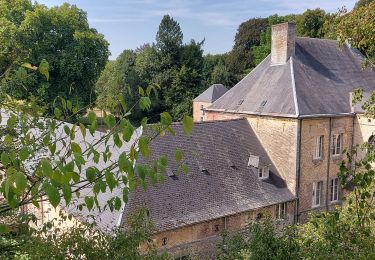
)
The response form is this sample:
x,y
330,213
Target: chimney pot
x,y
283,42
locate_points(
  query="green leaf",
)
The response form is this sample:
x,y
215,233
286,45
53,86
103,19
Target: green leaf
x,y
46,168
52,193
8,140
76,148
110,121
83,130
145,103
165,119
125,195
89,202
11,123
127,131
57,113
118,203
3,229
66,130
178,155
91,173
91,117
52,148
44,68
21,75
4,158
188,124
21,182
67,192
110,179
143,146
24,153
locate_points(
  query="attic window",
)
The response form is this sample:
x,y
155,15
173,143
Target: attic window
x,y
253,161
170,173
205,171
231,164
240,102
263,172
264,102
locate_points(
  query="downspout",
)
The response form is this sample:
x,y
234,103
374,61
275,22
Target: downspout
x,y
298,169
328,160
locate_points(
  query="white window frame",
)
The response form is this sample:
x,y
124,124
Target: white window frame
x,y
317,193
281,210
319,144
202,113
335,190
337,141
263,172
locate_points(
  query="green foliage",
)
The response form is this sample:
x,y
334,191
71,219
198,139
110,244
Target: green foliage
x,y
169,41
310,23
56,241
240,59
76,53
362,3
261,51
261,240
358,27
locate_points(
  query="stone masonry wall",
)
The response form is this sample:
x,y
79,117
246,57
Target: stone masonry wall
x,y
202,238
314,170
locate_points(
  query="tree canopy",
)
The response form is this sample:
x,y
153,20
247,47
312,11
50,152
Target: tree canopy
x,y
75,52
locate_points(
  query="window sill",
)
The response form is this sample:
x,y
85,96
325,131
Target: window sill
x,y
317,161
335,202
316,206
336,157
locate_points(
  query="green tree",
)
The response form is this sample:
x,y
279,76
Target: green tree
x,y
240,59
169,41
261,51
362,3
310,23
221,75
76,53
358,27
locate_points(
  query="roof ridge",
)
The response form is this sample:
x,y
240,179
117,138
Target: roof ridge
x,y
296,108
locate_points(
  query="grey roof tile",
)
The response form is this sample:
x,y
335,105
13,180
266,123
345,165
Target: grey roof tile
x,y
317,80
224,190
212,93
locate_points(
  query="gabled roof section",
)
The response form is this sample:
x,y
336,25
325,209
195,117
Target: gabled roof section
x,y
219,182
316,81
211,94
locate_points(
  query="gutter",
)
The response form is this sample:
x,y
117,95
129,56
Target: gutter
x,y
328,160
298,170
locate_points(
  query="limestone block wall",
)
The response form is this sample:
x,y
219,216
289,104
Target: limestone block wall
x,y
278,137
203,237
324,169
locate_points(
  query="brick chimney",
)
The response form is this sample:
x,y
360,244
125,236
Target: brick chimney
x,y
283,42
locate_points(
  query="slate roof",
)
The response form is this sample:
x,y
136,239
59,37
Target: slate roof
x,y
106,219
316,81
198,196
212,93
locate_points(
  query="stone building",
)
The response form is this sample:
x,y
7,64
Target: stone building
x,y
206,99
269,145
298,102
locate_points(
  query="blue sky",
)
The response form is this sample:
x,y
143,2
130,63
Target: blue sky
x,y
127,24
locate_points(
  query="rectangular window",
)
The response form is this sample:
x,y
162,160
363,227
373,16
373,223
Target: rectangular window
x,y
281,210
335,190
337,144
319,147
317,193
263,172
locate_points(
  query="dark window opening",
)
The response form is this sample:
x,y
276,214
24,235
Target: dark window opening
x,y
217,228
259,216
371,141
164,241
